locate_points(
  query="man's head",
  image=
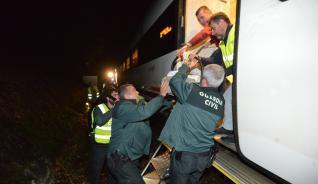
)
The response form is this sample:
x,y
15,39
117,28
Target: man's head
x,y
115,95
128,92
203,15
219,23
109,95
213,76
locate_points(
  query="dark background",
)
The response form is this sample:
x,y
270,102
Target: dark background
x,y
46,47
68,38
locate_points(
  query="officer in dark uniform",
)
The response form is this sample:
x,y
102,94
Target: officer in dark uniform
x,y
131,133
190,126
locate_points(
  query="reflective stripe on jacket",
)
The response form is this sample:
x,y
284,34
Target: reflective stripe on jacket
x,y
228,51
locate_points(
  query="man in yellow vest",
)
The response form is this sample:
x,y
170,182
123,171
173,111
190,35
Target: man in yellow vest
x,y
225,31
100,134
89,93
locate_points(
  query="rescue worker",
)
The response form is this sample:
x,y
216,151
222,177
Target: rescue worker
x,y
96,91
190,127
131,133
92,93
225,31
100,134
89,93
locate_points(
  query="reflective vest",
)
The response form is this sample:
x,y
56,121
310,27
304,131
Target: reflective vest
x,y
89,93
228,51
102,133
96,91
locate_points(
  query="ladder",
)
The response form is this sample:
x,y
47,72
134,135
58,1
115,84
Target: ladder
x,y
227,162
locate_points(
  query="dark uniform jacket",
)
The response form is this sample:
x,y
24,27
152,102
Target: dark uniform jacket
x,y
131,133
190,126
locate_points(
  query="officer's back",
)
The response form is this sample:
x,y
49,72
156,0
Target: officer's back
x,y
190,126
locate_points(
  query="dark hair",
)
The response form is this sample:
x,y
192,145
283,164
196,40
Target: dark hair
x,y
200,9
112,88
123,90
219,16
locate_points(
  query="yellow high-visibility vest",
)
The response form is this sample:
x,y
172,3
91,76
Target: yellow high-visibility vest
x,y
228,51
102,133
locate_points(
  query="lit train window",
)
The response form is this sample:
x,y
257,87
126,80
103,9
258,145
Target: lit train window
x,y
161,37
135,57
128,63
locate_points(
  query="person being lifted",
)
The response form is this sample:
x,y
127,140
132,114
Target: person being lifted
x,y
190,127
131,133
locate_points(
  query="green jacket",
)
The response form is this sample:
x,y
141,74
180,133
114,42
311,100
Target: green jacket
x,y
190,126
131,133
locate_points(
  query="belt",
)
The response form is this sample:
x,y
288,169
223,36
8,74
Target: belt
x,y
117,155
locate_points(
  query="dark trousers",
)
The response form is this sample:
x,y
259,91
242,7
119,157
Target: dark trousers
x,y
97,162
187,167
123,169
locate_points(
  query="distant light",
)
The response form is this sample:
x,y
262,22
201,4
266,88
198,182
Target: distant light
x,y
165,31
110,74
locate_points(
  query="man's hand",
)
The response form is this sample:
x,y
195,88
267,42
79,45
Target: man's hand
x,y
192,56
193,62
183,49
164,88
110,103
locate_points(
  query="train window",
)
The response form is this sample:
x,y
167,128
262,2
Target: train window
x,y
135,57
128,63
161,37
120,69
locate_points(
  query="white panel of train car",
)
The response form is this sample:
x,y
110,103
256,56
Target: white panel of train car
x,y
277,87
191,22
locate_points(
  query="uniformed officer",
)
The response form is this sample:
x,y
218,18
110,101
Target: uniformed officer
x,y
225,31
190,126
131,133
100,134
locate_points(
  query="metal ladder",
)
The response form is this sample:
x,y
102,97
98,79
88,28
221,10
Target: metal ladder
x,y
160,166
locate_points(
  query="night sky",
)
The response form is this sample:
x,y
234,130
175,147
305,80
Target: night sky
x,y
63,37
